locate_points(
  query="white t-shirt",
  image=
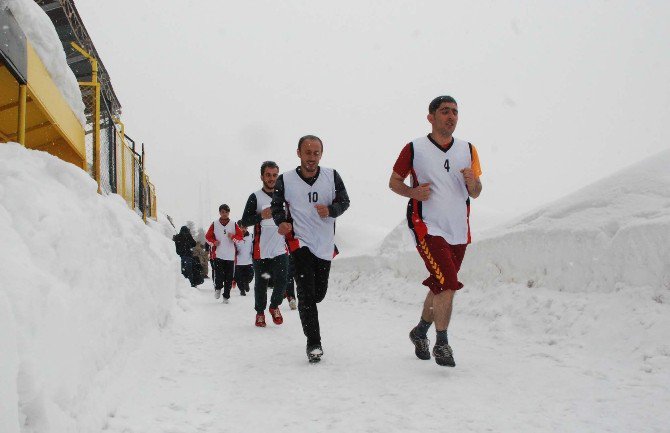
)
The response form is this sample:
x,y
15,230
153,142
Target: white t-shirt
x,y
446,213
310,230
268,243
244,248
226,248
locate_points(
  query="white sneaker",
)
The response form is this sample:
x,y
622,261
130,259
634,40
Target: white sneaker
x,y
217,293
292,304
225,300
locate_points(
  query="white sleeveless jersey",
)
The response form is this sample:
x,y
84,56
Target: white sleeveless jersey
x,y
446,212
310,230
226,248
244,249
268,243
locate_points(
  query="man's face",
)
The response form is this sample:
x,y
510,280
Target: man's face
x,y
224,214
310,155
445,119
269,178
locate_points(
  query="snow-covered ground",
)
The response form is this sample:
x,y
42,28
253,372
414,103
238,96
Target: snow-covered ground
x,y
41,33
574,345
85,288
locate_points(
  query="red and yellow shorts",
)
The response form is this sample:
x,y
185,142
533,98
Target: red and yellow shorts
x,y
443,261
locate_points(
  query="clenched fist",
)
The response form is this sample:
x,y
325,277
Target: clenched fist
x,y
421,192
470,179
284,228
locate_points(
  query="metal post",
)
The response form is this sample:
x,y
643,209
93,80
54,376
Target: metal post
x,y
133,174
23,102
123,171
96,112
143,199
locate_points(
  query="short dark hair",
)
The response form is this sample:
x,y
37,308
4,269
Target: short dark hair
x,y
268,164
224,207
435,103
309,137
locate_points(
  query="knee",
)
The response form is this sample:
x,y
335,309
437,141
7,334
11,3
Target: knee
x,y
321,294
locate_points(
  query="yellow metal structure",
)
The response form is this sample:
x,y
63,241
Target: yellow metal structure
x,y
96,112
38,116
23,102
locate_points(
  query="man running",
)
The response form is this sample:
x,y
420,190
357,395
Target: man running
x,y
270,257
445,174
314,197
220,236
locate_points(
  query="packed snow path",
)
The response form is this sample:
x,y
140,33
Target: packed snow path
x,y
219,373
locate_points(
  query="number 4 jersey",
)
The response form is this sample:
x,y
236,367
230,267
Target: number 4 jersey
x,y
301,195
446,213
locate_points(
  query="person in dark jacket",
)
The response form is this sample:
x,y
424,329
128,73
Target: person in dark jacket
x,y
184,242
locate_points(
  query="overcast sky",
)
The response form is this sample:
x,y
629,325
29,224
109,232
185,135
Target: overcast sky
x,y
555,95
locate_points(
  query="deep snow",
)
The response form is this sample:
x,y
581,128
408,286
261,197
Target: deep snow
x,y
42,34
84,286
580,347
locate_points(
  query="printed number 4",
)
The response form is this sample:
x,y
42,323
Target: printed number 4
x,y
313,197
446,164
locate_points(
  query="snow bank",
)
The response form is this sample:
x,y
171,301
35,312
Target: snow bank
x,y
84,287
43,37
162,225
586,277
610,235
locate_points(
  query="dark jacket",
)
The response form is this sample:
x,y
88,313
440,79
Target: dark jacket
x,y
184,242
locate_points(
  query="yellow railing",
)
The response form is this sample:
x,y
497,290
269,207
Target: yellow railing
x,y
34,113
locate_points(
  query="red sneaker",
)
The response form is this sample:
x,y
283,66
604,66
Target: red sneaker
x,y
276,316
260,320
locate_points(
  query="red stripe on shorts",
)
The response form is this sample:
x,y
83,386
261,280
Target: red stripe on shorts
x,y
443,262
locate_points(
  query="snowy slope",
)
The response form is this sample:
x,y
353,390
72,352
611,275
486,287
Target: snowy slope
x,y
95,349
583,282
607,236
42,35
529,359
85,288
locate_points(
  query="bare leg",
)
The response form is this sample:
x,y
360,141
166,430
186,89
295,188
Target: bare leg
x,y
427,313
442,305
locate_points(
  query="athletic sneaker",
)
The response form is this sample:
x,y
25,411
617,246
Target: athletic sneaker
x,y
225,300
276,316
314,352
292,304
217,293
421,345
444,355
260,320
243,293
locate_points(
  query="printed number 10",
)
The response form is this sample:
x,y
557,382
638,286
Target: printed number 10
x,y
313,196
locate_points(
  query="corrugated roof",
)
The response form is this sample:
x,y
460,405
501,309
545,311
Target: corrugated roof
x,y
70,28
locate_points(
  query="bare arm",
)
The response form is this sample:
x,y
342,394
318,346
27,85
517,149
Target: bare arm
x,y
472,182
474,192
398,186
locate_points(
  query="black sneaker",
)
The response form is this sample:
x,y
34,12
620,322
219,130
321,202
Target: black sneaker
x,y
421,345
243,293
444,355
314,353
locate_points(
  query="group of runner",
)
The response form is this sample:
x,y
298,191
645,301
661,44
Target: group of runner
x,y
288,229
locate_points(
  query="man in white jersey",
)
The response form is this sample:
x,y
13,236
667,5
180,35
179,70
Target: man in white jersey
x,y
314,196
445,175
220,236
270,257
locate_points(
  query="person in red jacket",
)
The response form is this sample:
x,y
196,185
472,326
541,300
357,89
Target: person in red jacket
x,y
221,236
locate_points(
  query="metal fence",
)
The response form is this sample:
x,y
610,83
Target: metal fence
x,y
121,165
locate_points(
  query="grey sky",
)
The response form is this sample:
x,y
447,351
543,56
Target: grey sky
x,y
554,95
